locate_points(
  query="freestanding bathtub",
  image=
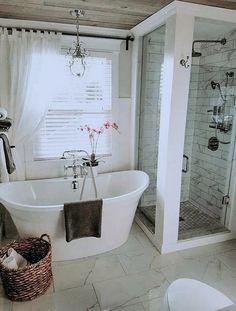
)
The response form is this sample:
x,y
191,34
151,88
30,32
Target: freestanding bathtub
x,y
36,207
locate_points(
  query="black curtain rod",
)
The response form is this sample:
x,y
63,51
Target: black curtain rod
x,y
88,35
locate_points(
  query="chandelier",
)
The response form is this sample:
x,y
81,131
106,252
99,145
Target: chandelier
x,y
77,53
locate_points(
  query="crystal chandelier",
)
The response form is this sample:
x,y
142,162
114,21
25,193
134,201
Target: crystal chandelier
x,y
77,53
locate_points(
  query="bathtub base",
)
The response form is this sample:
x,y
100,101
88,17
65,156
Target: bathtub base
x,y
117,220
37,207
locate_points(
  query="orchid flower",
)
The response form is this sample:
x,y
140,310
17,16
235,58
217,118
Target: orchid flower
x,y
94,134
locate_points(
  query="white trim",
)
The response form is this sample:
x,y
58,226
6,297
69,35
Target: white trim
x,y
154,21
205,11
135,95
185,244
195,242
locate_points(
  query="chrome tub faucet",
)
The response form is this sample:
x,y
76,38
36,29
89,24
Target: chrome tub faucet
x,y
78,163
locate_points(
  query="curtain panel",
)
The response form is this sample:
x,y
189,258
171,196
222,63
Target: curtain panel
x,y
28,78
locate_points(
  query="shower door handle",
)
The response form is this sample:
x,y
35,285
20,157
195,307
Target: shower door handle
x,y
185,170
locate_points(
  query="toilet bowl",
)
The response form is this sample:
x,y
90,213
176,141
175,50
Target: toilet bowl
x,y
188,294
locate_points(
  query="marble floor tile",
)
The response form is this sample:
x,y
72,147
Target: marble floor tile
x,y
187,268
144,240
138,260
133,277
165,260
153,305
132,244
3,299
130,289
229,259
86,271
135,229
6,307
136,307
215,272
207,250
82,299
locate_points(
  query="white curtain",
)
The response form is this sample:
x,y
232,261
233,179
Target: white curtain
x,y
28,75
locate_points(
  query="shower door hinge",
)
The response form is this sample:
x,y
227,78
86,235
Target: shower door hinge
x,y
225,199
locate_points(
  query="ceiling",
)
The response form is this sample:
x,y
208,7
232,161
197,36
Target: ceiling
x,y
120,14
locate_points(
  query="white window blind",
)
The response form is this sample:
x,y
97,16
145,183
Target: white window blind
x,y
77,102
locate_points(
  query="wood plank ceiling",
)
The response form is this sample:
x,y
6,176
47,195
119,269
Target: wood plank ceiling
x,y
121,14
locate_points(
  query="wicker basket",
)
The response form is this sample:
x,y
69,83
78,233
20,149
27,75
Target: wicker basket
x,y
31,281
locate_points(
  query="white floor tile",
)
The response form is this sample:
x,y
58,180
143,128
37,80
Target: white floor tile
x,y
6,307
133,277
153,305
229,259
138,260
193,268
136,307
82,272
207,250
130,289
82,299
3,299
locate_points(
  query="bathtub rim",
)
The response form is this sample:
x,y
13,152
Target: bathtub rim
x,y
59,207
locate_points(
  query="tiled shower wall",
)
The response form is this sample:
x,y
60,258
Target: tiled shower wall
x,y
149,114
188,143
207,179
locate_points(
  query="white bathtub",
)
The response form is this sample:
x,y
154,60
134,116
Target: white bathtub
x,y
36,207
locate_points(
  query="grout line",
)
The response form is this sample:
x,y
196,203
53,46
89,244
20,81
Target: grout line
x,y
96,296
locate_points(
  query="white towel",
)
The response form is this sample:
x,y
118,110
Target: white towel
x,y
20,260
10,263
13,260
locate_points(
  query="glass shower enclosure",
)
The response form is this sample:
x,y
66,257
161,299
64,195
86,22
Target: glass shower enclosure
x,y
210,132
184,127
149,120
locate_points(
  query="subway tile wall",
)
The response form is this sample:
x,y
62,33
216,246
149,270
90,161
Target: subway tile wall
x,y
207,180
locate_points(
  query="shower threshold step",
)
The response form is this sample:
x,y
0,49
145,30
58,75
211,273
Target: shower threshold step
x,y
193,222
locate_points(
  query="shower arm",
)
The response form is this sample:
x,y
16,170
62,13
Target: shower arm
x,y
222,41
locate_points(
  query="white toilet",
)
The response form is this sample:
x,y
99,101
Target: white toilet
x,y
192,295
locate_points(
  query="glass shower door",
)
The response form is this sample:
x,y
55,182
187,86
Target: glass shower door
x,y
209,138
149,121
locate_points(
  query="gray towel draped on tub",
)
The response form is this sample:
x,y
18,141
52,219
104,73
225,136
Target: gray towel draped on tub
x,y
83,219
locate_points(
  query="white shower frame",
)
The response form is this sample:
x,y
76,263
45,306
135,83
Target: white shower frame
x,y
179,18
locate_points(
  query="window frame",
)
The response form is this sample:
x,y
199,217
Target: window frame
x,y
95,46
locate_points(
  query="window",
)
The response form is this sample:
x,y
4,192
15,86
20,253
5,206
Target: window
x,y
77,102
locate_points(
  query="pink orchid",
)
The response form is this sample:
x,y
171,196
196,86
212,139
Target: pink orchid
x,y
94,133
107,124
